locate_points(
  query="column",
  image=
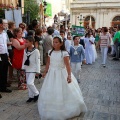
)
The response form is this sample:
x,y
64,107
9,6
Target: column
x,y
97,21
6,2
2,1
71,17
22,6
101,19
66,21
75,18
15,3
9,2
106,20
41,15
58,21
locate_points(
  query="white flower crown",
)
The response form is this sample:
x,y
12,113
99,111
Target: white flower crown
x,y
55,36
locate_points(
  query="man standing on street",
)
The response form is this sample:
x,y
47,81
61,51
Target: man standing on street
x,y
3,59
116,43
48,42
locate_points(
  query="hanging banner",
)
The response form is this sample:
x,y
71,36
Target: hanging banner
x,y
48,10
17,17
78,30
9,15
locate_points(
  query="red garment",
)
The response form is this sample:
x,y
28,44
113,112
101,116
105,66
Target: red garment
x,y
18,56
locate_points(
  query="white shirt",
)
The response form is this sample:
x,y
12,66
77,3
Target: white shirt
x,y
68,45
3,43
34,61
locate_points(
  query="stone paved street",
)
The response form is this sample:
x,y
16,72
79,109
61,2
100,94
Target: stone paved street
x,y
100,87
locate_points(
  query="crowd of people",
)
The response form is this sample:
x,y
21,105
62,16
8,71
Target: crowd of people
x,y
26,48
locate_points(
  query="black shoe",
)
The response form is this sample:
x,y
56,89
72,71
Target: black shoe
x,y
8,85
116,59
5,90
0,96
104,65
30,100
36,98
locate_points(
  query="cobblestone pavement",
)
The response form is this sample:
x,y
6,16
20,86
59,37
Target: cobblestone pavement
x,y
100,87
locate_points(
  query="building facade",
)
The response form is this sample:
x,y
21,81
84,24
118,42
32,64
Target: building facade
x,y
12,3
56,6
96,13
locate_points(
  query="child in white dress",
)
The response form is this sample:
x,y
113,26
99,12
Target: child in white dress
x,y
60,96
90,52
31,65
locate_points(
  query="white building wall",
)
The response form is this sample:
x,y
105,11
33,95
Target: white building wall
x,y
103,12
101,18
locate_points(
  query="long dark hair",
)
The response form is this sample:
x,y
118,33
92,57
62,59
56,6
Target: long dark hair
x,y
88,33
62,48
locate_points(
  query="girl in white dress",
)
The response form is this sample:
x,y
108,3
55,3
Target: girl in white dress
x,y
90,51
60,96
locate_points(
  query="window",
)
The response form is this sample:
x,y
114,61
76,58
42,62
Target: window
x,y
88,18
117,18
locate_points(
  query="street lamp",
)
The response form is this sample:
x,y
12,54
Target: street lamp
x,y
66,17
80,18
45,7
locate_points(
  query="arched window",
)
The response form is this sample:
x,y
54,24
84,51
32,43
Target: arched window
x,y
88,19
116,21
117,18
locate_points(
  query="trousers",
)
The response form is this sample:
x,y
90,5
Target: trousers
x,y
76,68
104,51
3,70
117,51
32,90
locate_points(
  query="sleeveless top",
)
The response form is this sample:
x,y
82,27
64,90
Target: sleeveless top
x,y
18,56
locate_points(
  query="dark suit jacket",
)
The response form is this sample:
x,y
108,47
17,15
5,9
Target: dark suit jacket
x,y
82,43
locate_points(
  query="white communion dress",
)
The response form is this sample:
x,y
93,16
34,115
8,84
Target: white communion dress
x,y
58,99
90,53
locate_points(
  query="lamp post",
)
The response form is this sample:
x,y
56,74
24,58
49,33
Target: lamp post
x,y
45,7
80,18
66,17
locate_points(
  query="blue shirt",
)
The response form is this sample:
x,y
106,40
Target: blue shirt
x,y
56,32
77,54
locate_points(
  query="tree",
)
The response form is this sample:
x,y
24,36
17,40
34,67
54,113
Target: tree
x,y
33,7
2,14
